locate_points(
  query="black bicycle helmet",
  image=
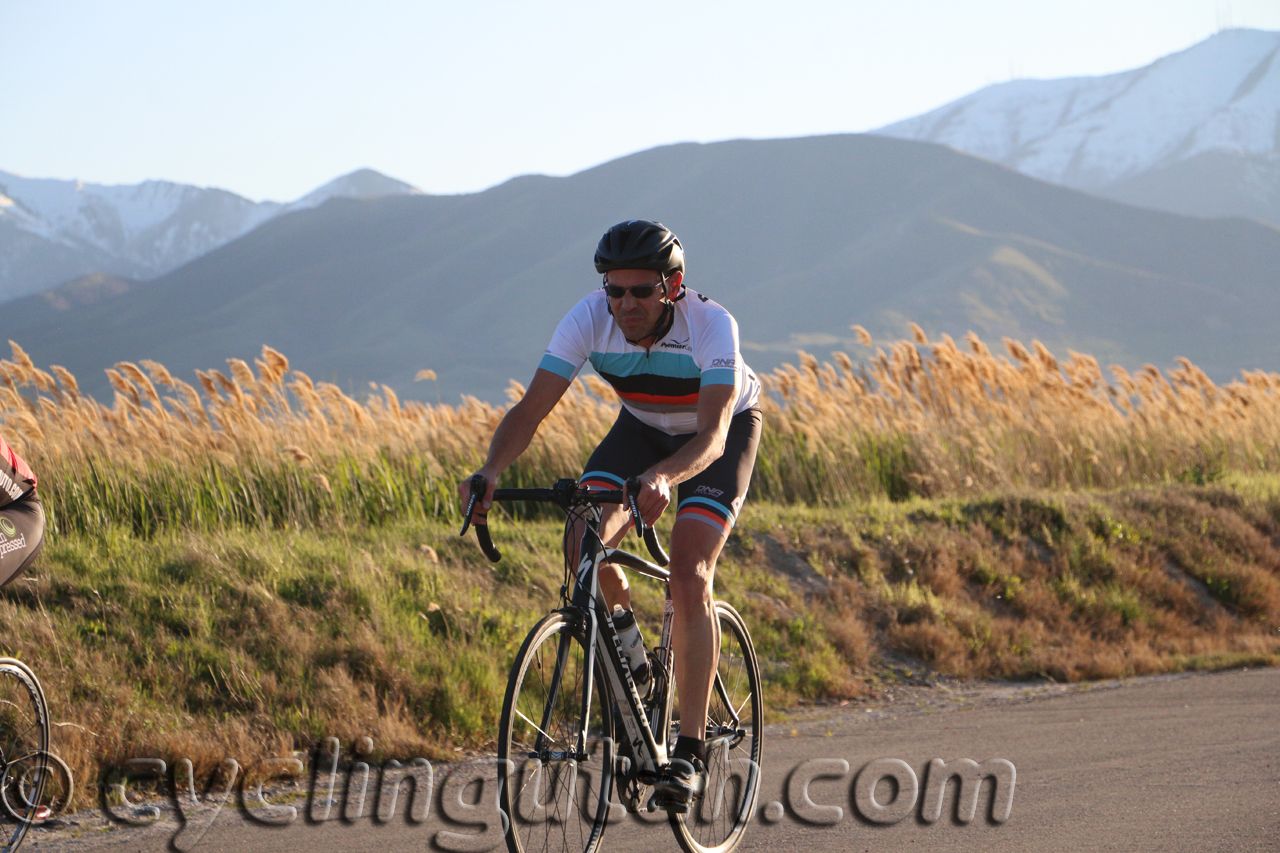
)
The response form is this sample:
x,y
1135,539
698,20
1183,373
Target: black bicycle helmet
x,y
639,244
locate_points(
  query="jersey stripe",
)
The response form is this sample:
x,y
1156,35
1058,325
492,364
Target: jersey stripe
x,y
558,366
649,384
677,365
684,400
720,376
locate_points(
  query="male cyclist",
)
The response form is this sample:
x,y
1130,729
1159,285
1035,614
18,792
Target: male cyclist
x,y
689,421
21,516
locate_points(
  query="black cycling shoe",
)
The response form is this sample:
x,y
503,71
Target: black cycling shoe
x,y
679,784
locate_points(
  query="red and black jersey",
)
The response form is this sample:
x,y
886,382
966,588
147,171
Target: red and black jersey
x,y
16,476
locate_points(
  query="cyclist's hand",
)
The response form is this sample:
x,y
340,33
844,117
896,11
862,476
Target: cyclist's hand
x,y
482,506
654,497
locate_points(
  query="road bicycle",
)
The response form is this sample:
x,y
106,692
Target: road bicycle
x,y
574,726
24,750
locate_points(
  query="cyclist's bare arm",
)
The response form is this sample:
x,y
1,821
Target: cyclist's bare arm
x,y
715,410
514,433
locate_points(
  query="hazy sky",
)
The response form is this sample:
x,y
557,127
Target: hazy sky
x,y
271,99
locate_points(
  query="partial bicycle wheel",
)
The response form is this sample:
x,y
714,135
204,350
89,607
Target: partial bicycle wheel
x,y
557,788
735,728
26,776
24,745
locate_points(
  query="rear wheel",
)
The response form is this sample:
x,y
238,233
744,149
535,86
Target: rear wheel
x,y
735,725
24,747
555,796
25,778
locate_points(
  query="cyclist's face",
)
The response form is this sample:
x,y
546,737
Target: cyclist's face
x,y
637,317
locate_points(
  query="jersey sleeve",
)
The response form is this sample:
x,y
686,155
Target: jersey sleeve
x,y
571,344
16,477
717,356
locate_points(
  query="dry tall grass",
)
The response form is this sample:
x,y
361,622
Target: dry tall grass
x,y
933,419
273,447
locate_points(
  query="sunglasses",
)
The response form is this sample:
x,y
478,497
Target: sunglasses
x,y
640,291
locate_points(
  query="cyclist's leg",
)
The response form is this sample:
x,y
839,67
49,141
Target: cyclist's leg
x,y
695,640
708,506
624,453
21,536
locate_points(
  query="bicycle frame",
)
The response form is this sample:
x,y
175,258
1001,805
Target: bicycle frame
x,y
648,740
587,609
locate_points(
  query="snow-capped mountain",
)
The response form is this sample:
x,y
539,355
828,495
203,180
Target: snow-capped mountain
x,y
1120,131
55,230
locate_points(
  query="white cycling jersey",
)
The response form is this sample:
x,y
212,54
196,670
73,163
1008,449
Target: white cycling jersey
x,y
659,385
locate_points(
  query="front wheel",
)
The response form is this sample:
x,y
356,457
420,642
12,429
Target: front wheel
x,y
735,728
555,793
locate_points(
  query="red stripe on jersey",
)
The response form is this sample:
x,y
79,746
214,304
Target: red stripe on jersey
x,y
686,400
22,469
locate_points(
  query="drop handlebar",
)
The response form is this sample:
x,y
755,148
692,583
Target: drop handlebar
x,y
566,494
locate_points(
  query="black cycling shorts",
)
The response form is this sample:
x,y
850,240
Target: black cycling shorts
x,y
714,496
21,535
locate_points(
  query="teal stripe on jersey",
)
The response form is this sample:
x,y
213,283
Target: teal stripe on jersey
x,y
558,366
719,376
677,365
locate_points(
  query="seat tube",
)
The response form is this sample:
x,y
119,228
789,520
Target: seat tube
x,y
591,552
661,721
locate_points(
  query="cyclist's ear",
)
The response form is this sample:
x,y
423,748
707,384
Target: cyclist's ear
x,y
675,279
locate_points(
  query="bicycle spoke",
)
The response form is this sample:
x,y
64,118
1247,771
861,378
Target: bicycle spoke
x,y
737,712
534,725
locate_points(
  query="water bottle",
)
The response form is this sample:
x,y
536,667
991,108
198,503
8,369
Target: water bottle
x,y
624,622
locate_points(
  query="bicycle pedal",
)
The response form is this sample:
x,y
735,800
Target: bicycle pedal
x,y
657,803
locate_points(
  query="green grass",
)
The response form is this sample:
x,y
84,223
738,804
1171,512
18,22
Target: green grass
x,y
258,639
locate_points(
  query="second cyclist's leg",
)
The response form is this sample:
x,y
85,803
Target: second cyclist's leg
x,y
613,581
21,534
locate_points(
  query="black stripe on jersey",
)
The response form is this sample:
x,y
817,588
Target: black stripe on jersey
x,y
648,383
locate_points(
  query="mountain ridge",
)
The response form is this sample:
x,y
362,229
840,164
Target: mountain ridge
x,y
1124,135
799,239
52,231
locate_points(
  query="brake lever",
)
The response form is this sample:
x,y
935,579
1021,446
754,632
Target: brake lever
x,y
478,487
633,487
477,492
648,534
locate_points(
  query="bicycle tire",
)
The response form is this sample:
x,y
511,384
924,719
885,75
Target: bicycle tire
x,y
24,742
59,788
715,825
542,790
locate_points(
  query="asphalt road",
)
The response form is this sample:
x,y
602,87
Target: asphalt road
x,y
1172,763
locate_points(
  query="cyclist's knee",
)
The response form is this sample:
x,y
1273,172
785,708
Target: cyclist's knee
x,y
692,578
